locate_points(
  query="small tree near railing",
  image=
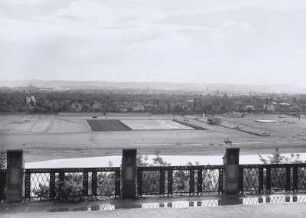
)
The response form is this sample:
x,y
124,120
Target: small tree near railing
x,y
71,189
2,160
277,158
280,174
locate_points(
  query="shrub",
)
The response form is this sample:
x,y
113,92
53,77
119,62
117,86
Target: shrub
x,y
71,189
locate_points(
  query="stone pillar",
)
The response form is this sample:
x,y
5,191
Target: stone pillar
x,y
231,174
129,169
14,176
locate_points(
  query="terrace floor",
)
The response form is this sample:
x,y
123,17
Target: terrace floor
x,y
217,206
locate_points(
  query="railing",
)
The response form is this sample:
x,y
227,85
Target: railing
x,y
71,183
2,184
78,183
179,180
272,178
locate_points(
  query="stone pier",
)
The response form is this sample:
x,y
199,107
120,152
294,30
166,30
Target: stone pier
x,y
231,174
129,170
14,176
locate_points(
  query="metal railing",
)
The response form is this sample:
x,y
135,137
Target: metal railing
x,y
272,178
179,180
63,183
67,183
2,184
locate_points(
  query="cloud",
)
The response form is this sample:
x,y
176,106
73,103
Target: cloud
x,y
31,9
160,40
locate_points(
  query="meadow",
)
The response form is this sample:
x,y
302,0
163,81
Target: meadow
x,y
47,137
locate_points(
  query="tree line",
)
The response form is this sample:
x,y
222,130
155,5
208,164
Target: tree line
x,y
110,101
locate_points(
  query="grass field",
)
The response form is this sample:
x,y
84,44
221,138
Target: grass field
x,y
18,124
44,137
284,126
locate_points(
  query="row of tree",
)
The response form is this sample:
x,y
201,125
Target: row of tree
x,y
105,101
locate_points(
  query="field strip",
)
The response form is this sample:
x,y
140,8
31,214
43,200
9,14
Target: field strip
x,y
166,144
241,143
69,120
154,124
49,126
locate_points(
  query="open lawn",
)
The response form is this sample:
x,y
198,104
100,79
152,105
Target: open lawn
x,y
19,124
284,126
44,137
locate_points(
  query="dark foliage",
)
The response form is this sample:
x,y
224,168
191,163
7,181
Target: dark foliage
x,y
14,100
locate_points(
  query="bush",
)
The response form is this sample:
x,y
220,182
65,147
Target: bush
x,y
71,189
278,158
106,184
2,160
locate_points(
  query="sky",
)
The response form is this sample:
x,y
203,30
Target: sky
x,y
202,41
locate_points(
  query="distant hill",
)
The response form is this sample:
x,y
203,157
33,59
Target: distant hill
x,y
154,86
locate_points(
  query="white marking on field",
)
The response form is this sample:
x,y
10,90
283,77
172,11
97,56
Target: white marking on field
x,y
166,144
266,121
154,125
243,143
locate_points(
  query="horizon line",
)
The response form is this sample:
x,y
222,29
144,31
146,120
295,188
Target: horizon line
x,y
165,82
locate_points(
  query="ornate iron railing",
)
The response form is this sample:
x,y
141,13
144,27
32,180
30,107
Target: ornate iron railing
x,y
49,184
65,183
177,180
272,178
2,184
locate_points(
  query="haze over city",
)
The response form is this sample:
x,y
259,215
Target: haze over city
x,y
232,42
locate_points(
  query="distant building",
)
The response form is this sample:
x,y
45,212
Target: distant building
x,y
123,107
250,108
76,107
283,106
97,106
270,107
138,107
